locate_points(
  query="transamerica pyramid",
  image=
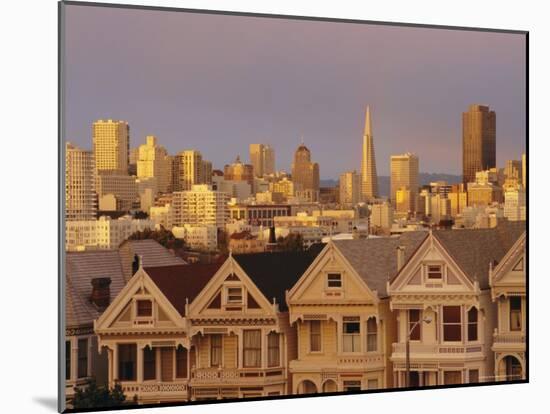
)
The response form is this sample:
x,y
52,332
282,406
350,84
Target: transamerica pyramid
x,y
369,179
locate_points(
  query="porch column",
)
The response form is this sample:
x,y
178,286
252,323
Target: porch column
x,y
157,364
115,363
139,363
110,367
264,348
74,358
240,348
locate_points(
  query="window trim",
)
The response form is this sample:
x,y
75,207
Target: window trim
x,y
375,334
311,351
468,324
359,334
461,324
255,349
441,272
226,295
79,358
269,348
327,282
510,314
211,348
418,326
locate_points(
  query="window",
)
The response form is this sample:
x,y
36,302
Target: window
x,y
315,336
474,376
452,377
67,360
372,335
472,324
352,339
515,313
181,362
352,385
127,362
452,323
215,350
149,364
234,295
82,358
144,308
273,349
435,272
372,384
414,324
334,280
252,348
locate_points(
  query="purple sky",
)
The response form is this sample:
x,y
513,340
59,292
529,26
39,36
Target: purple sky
x,y
217,83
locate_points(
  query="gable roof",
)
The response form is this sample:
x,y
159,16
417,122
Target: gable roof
x,y
182,281
81,268
275,272
474,249
375,259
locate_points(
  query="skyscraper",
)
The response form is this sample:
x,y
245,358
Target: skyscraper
x,y
350,188
153,161
369,179
262,159
111,140
478,141
187,170
80,196
269,160
305,174
404,178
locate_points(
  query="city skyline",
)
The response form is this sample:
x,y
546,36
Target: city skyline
x,y
221,115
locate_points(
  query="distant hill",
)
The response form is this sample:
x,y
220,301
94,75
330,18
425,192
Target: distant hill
x,y
384,181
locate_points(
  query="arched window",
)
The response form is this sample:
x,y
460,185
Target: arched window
x,y
372,335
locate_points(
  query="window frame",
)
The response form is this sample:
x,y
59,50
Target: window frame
x,y
179,351
227,295
152,361
271,347
319,334
417,328
120,361
371,334
143,300
328,280
511,312
351,320
256,349
460,324
68,357
83,358
213,347
470,324
440,272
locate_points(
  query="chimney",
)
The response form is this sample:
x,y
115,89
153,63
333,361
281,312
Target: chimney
x,y
101,293
400,257
136,263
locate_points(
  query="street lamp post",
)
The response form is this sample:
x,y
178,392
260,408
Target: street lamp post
x,y
427,320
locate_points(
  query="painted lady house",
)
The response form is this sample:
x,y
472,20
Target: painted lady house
x,y
93,280
442,301
340,308
508,291
203,331
239,327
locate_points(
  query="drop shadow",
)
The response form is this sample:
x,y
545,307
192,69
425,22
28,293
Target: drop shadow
x,y
48,402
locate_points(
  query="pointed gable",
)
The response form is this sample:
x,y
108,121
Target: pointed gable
x,y
375,259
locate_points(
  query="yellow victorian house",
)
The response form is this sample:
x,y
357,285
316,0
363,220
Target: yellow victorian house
x,y
340,308
239,327
145,332
442,301
508,291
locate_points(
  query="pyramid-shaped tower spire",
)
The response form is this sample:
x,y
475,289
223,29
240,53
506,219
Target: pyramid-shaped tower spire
x,y
369,178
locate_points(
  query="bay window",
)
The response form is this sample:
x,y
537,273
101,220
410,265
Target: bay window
x,y
452,323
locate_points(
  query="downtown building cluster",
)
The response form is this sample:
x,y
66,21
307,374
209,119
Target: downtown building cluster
x,y
238,315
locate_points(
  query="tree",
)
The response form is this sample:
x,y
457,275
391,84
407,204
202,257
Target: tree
x,y
293,242
162,236
94,397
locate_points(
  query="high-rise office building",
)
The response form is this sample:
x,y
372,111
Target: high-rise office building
x,y
305,174
369,178
478,141
111,141
200,206
187,170
206,172
154,161
404,178
350,188
262,159
80,196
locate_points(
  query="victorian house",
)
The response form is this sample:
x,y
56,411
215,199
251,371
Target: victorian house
x,y
340,309
240,330
508,292
93,280
203,331
442,302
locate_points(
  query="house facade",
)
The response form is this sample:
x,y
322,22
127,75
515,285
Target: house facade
x,y
341,311
508,292
442,302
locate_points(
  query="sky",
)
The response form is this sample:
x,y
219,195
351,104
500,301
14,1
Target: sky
x,y
217,83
